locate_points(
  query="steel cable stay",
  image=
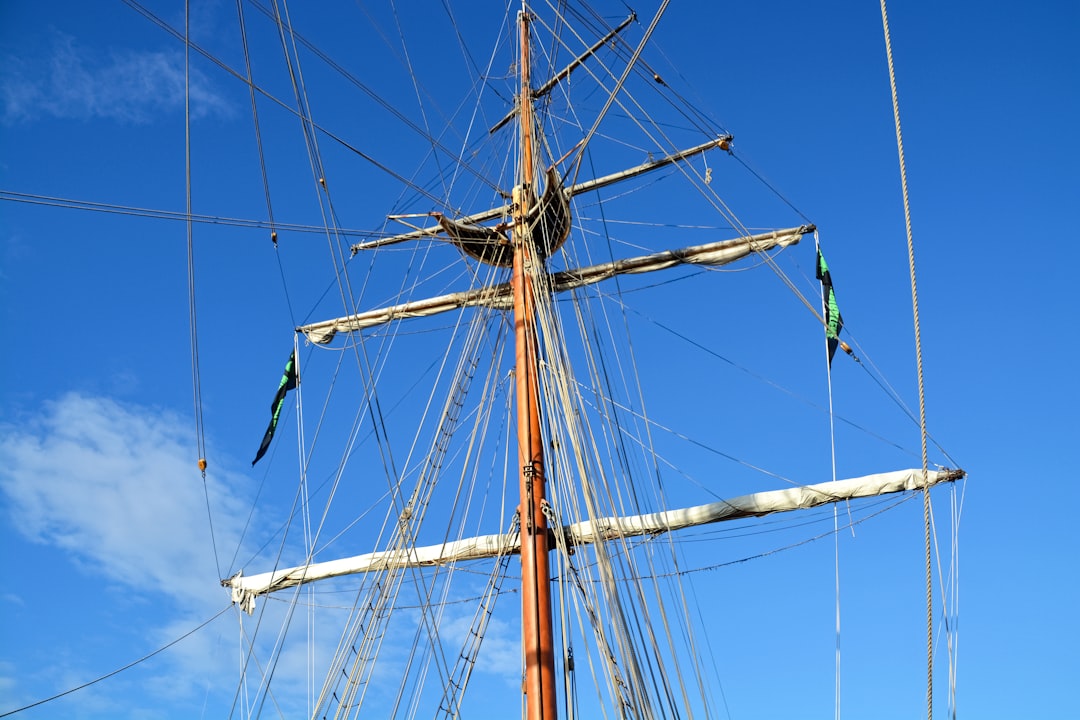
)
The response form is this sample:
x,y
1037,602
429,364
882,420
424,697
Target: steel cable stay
x,y
468,369
119,670
475,324
694,115
176,215
142,10
254,118
423,133
874,373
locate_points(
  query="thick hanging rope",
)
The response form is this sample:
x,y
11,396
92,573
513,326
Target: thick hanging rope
x,y
919,367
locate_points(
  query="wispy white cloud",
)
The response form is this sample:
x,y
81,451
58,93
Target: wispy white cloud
x,y
124,85
116,486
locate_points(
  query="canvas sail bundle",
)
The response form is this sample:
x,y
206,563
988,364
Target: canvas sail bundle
x,y
246,589
500,296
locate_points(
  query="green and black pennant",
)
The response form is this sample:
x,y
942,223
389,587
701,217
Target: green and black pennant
x,y
288,382
833,321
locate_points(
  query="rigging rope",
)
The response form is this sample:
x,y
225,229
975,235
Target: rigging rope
x,y
119,670
193,325
196,379
836,518
255,119
618,86
112,208
305,119
919,368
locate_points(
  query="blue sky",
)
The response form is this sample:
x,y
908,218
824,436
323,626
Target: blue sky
x,y
105,529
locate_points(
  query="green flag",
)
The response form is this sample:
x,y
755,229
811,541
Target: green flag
x,y
288,382
833,321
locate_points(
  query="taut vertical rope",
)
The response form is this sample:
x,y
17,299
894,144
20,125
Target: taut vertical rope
x,y
919,367
196,379
832,451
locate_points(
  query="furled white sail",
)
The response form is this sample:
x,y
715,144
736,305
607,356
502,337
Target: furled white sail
x,y
499,296
246,589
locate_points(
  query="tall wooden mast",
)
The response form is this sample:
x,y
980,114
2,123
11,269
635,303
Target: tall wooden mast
x,y
537,634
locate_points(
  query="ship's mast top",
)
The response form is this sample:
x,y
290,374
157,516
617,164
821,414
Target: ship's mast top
x,y
526,172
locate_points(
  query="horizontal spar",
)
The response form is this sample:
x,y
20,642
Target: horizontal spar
x,y
500,296
503,211
246,589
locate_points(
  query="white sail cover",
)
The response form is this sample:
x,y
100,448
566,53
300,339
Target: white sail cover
x,y
500,296
246,589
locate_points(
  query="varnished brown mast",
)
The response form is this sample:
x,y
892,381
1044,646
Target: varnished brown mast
x,y
537,634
